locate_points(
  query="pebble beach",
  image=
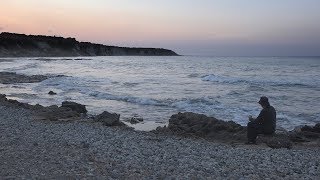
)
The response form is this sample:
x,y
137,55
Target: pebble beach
x,y
32,149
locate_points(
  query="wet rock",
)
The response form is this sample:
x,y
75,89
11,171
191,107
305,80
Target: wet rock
x,y
12,77
52,93
136,119
75,106
109,119
3,97
12,102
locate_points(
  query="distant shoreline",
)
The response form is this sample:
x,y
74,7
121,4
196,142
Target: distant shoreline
x,y
21,45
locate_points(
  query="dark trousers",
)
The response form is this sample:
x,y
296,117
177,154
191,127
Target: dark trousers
x,y
253,129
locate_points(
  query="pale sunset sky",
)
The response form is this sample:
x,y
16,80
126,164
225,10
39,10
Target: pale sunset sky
x,y
189,27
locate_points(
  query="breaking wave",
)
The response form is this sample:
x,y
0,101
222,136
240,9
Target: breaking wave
x,y
253,81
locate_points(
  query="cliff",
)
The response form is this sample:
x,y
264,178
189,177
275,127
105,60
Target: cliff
x,y
20,45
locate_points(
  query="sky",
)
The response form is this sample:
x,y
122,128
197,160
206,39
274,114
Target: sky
x,y
189,27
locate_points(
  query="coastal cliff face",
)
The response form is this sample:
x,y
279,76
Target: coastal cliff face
x,y
20,45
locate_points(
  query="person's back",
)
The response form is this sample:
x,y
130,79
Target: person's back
x,y
268,120
265,123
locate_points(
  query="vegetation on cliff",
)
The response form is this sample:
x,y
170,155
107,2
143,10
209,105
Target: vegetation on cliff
x,y
21,45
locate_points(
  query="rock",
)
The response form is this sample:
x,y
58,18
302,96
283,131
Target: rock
x,y
279,143
55,113
52,93
37,107
3,97
136,119
315,129
275,141
281,130
296,137
203,126
305,133
75,106
109,119
12,77
297,129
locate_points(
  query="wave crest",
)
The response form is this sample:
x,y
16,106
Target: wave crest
x,y
253,81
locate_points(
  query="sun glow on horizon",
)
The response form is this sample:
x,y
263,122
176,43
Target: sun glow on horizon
x,y
208,24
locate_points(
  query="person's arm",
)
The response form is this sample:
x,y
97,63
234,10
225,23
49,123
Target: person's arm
x,y
259,119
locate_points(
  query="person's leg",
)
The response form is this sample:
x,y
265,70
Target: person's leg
x,y
252,132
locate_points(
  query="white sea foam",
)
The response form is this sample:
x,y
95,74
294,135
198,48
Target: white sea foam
x,y
261,80
156,87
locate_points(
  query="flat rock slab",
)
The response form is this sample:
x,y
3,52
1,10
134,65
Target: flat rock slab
x,y
11,78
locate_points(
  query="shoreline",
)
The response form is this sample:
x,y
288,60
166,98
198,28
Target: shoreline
x,y
223,132
83,149
65,144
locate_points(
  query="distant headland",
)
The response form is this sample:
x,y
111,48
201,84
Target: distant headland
x,y
21,45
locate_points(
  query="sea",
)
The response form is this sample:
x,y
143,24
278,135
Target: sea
x,y
154,88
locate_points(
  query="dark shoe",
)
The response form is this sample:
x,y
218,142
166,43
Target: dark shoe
x,y
251,143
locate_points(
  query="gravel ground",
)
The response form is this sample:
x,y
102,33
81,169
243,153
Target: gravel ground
x,y
36,149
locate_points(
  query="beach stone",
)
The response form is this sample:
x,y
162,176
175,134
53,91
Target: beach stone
x,y
75,106
109,119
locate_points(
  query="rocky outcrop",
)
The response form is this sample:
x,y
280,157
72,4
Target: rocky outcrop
x,y
55,113
192,124
51,113
79,108
68,111
20,45
208,127
109,119
11,78
306,133
275,141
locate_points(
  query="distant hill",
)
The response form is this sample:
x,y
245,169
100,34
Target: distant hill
x,y
21,45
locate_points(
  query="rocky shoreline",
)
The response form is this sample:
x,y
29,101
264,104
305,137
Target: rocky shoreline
x,y
63,142
82,148
11,77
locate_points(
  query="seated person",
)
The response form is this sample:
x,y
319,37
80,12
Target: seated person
x,y
265,123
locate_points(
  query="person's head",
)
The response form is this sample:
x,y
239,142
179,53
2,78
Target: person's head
x,y
264,102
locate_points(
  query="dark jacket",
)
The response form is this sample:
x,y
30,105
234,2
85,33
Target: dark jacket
x,y
267,119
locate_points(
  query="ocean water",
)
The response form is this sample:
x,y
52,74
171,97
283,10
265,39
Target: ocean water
x,y
154,88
